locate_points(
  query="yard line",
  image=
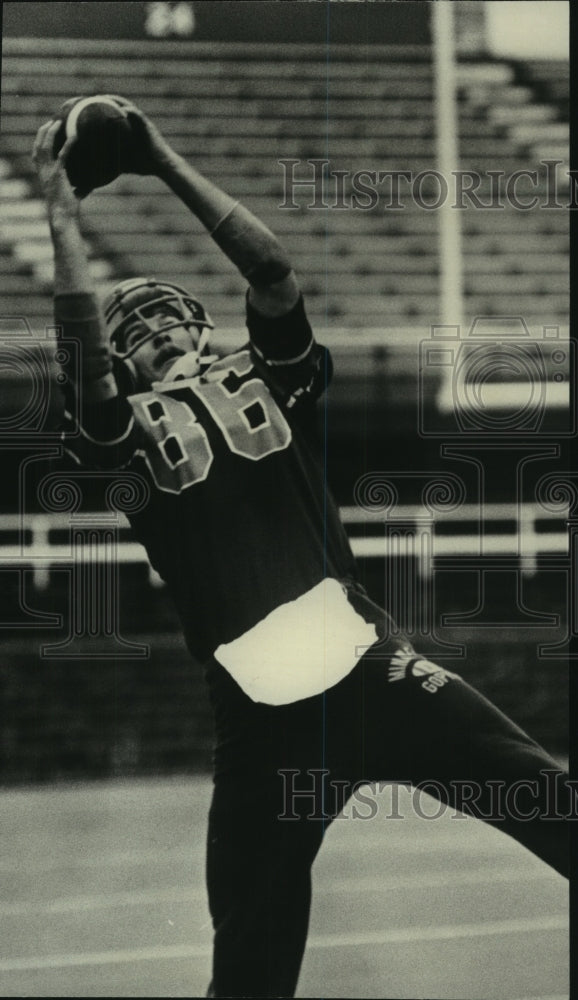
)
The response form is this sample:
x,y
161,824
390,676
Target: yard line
x,y
443,879
416,844
76,904
120,957
195,893
107,860
523,925
122,794
405,935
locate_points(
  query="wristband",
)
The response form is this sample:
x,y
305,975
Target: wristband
x,y
251,246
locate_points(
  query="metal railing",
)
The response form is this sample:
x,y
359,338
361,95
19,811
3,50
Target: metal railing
x,y
34,541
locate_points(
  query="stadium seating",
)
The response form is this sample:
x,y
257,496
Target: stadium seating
x,y
236,111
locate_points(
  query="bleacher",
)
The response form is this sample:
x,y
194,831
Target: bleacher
x,y
550,79
235,111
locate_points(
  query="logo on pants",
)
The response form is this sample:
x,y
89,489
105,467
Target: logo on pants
x,y
404,664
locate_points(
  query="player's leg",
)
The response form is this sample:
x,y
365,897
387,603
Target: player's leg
x,y
474,757
258,876
261,846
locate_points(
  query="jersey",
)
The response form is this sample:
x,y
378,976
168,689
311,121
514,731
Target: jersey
x,y
240,523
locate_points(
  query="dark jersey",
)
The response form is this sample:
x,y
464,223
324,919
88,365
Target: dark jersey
x,y
239,521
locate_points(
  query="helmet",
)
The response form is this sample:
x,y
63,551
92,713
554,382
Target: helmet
x,y
139,299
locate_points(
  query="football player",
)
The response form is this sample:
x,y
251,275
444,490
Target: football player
x,y
314,689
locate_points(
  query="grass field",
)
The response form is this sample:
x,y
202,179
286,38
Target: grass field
x,y
103,896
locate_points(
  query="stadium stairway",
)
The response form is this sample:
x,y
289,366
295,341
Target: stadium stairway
x,y
533,110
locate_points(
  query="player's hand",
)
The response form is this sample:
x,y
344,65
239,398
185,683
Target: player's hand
x,y
51,170
151,150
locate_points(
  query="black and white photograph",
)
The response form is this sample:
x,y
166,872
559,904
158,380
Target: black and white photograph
x,y
289,512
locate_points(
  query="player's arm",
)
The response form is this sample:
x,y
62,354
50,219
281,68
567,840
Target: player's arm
x,y
104,418
247,242
244,239
76,306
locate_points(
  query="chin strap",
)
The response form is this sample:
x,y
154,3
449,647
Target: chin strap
x,y
189,365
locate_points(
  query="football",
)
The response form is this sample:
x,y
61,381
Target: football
x,y
105,145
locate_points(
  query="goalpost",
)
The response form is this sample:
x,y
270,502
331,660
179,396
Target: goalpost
x,y
446,119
